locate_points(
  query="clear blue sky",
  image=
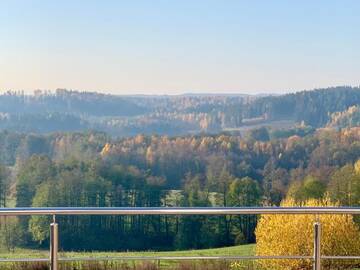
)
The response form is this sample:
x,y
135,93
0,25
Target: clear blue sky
x,y
177,46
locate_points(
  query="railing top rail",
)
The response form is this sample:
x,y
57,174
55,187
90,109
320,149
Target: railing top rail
x,y
175,210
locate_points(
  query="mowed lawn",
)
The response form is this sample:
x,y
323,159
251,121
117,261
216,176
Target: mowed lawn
x,y
242,250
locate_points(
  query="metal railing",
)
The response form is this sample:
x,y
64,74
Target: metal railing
x,y
54,258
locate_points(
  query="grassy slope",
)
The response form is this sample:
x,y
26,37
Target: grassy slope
x,y
242,250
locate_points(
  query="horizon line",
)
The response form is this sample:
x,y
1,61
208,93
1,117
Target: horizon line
x,y
185,93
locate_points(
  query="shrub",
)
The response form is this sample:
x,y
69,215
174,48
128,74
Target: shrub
x,y
242,265
293,235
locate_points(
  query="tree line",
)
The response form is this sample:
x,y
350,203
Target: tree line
x,y
69,110
91,169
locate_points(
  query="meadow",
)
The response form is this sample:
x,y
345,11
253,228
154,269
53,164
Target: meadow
x,y
151,264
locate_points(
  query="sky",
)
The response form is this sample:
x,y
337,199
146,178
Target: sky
x,y
179,46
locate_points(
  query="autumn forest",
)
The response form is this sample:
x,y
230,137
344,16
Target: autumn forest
x,y
61,150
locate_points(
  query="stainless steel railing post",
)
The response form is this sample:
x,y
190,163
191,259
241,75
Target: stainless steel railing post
x,y
54,244
317,248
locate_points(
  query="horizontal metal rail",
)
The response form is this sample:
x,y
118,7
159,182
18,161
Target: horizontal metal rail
x,y
157,258
66,211
176,258
181,258
29,211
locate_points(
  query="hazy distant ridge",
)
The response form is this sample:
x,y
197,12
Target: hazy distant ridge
x,y
67,110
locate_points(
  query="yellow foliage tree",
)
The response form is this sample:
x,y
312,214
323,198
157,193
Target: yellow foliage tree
x,y
357,166
106,149
293,235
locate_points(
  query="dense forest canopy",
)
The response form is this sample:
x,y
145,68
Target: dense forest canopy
x,y
64,101
91,169
67,110
347,118
317,157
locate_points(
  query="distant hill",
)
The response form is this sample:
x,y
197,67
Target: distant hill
x,y
70,102
67,110
313,107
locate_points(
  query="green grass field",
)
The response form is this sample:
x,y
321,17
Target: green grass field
x,y
242,250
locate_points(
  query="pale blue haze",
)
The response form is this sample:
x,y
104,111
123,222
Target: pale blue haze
x,y
178,46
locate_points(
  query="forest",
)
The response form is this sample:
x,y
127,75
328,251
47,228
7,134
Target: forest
x,y
318,157
123,116
93,169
